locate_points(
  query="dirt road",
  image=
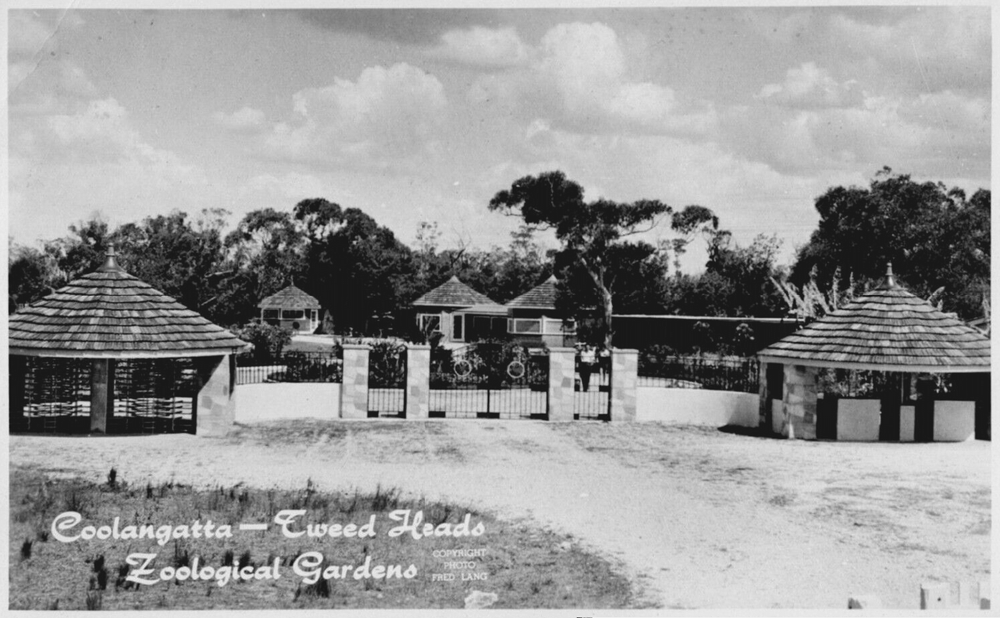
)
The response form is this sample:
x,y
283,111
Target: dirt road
x,y
697,517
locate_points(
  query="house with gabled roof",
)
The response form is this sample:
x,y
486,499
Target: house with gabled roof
x,y
459,313
532,318
291,308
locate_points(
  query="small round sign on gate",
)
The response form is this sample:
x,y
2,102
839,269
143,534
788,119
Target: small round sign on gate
x,y
515,369
462,368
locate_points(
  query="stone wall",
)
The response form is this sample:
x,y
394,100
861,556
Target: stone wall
x,y
215,405
349,400
354,390
800,402
256,403
418,375
764,398
954,421
624,384
562,372
695,406
858,419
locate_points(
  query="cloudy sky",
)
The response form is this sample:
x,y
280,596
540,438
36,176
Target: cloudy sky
x,y
422,115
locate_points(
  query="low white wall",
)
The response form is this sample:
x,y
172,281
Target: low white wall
x,y
907,423
697,407
858,419
954,421
281,400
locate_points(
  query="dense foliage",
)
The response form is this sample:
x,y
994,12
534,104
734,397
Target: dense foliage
x,y
591,234
934,236
938,240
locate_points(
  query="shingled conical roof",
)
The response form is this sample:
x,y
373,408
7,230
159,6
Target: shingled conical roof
x,y
110,313
291,298
453,293
887,329
542,296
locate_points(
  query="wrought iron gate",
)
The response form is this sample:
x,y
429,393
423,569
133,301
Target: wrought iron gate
x,y
592,389
387,380
490,380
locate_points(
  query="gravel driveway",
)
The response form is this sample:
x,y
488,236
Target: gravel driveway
x,y
698,518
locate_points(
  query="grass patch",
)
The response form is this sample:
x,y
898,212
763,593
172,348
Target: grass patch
x,y
310,431
526,567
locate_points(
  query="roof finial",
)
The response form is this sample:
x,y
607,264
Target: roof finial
x,y
110,263
890,279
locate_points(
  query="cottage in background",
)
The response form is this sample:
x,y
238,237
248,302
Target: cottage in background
x,y
291,308
459,313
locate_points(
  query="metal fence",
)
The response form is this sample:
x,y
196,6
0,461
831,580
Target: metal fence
x,y
592,389
387,380
290,367
741,374
490,380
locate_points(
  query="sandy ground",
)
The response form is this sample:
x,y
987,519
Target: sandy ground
x,y
698,518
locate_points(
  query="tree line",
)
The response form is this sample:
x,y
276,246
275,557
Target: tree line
x,y
937,238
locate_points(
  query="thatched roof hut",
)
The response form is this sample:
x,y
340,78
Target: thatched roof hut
x,y
110,313
289,297
887,329
141,360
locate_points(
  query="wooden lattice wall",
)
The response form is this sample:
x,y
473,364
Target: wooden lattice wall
x,y
150,395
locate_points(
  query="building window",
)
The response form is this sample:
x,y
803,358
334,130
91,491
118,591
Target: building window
x,y
292,314
269,314
553,326
429,322
524,326
457,330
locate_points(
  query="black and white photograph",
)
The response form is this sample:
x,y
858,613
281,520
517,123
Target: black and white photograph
x,y
597,310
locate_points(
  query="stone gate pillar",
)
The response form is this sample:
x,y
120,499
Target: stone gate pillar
x,y
562,370
354,389
418,381
800,402
624,384
765,400
215,410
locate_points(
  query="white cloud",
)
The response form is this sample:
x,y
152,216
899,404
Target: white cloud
x,y
245,119
946,134
479,46
579,78
585,64
811,86
290,187
64,166
36,71
931,49
28,33
392,112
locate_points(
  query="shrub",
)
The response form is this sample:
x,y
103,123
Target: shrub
x,y
268,340
94,600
